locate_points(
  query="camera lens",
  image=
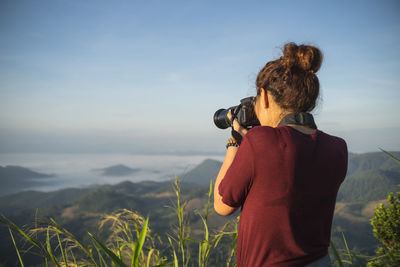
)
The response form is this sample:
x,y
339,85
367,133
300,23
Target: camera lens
x,y
221,118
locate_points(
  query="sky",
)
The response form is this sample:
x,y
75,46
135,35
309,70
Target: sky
x,y
147,76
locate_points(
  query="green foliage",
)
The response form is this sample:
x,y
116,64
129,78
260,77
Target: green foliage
x,y
386,228
386,222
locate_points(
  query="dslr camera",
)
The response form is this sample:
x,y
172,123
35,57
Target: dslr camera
x,y
244,113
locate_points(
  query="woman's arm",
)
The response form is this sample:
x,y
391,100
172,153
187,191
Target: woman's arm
x,y
220,207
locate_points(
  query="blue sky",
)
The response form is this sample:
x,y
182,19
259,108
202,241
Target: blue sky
x,y
147,76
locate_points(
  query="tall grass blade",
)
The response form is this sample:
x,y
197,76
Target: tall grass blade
x,y
73,257
72,238
234,239
210,192
204,245
180,207
219,237
140,242
36,217
16,248
22,232
173,249
149,257
337,256
101,259
348,250
62,250
200,254
111,254
49,250
390,155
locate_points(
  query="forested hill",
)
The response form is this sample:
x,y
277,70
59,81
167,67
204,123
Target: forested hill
x,y
370,177
371,161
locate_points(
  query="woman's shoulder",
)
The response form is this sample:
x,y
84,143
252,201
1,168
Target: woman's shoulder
x,y
333,138
261,130
285,132
268,131
262,133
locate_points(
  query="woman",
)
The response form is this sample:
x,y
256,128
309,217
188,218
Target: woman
x,y
285,174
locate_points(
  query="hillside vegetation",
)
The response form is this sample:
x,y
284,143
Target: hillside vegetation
x,y
370,177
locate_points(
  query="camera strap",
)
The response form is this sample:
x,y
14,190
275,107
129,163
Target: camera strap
x,y
299,118
236,135
235,113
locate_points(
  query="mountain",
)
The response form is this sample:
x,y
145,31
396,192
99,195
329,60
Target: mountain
x,y
203,173
117,170
28,201
16,178
370,177
369,185
371,161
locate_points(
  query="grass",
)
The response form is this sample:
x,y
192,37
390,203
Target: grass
x,y
130,241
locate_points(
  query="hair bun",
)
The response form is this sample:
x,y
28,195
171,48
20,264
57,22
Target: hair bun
x,y
306,57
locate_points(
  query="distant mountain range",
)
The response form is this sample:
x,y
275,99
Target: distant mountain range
x,y
369,177
16,178
117,170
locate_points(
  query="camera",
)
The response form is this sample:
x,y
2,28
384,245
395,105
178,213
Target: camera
x,y
244,113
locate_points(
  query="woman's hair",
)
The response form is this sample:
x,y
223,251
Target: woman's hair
x,y
291,79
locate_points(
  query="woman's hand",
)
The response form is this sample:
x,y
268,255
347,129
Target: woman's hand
x,y
236,126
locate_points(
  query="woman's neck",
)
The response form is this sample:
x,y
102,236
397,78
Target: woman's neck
x,y
275,116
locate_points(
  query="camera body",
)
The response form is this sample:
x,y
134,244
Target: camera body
x,y
244,113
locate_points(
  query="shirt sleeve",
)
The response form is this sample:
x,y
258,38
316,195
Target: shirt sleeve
x,y
236,184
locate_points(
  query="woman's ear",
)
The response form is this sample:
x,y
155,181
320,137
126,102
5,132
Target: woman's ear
x,y
264,98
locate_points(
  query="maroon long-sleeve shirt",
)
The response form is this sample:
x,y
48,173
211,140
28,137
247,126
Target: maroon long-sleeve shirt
x,y
286,183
